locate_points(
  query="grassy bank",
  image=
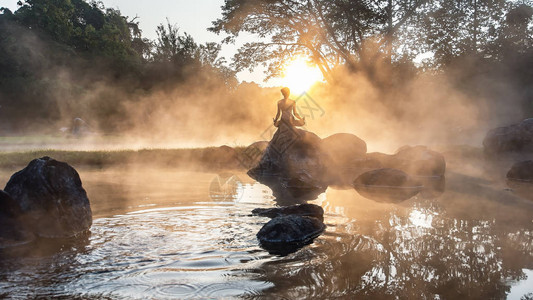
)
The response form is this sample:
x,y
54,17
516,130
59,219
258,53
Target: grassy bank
x,y
213,157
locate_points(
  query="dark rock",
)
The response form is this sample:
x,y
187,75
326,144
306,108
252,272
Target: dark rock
x,y
522,171
512,138
308,210
285,234
51,198
386,185
13,232
293,156
416,161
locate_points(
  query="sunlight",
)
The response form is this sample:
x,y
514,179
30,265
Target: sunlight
x,y
299,76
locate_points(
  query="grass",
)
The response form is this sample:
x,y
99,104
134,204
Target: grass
x,y
212,157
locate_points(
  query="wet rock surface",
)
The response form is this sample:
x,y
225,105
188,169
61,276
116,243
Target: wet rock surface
x,y
387,185
50,198
308,210
293,157
512,138
286,234
521,171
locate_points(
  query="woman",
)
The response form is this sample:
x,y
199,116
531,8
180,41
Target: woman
x,y
287,108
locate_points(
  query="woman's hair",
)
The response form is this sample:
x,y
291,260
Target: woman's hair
x,y
286,91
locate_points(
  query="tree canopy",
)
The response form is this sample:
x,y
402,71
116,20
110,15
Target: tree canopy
x,y
358,34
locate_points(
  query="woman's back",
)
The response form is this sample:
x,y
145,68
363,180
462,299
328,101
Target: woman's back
x,y
286,107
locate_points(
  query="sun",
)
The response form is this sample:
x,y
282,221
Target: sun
x,y
299,76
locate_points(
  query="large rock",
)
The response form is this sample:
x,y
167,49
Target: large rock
x,y
294,158
286,234
13,230
344,146
386,185
415,161
512,138
308,210
522,171
344,156
51,198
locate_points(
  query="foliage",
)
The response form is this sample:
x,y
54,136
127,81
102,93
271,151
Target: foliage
x,y
362,35
56,54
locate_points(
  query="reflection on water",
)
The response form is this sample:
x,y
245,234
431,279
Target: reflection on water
x,y
162,234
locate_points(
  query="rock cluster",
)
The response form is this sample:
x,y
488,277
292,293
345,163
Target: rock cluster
x,y
305,165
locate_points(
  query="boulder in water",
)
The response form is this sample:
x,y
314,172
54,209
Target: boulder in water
x,y
344,156
386,185
13,231
521,171
416,161
286,234
344,146
294,157
419,161
308,210
51,198
512,138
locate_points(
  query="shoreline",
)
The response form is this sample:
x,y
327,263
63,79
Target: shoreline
x,y
224,157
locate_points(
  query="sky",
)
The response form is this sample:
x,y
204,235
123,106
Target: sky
x,y
193,17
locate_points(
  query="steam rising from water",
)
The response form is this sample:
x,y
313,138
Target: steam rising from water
x,y
421,109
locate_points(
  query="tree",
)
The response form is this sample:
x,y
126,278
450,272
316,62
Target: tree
x,y
331,32
183,53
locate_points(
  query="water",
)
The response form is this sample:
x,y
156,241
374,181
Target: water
x,y
167,233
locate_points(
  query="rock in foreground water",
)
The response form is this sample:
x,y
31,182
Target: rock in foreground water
x,y
13,231
51,198
308,210
286,234
386,185
522,171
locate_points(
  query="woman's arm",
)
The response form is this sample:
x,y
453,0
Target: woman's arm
x,y
294,112
277,114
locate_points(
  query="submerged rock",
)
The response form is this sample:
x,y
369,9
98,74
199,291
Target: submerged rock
x,y
51,199
522,171
285,234
386,185
512,138
308,210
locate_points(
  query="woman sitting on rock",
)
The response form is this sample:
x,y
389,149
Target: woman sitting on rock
x,y
287,108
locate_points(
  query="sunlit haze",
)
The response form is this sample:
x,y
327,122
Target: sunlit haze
x,y
299,76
